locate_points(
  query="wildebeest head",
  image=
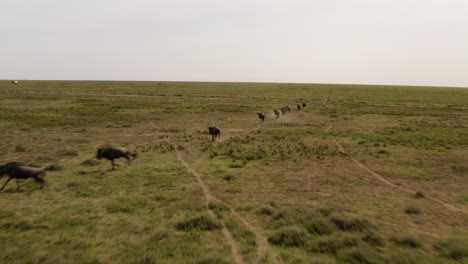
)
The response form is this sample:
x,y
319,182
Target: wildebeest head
x,y
99,153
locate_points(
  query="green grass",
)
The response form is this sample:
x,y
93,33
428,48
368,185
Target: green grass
x,y
290,181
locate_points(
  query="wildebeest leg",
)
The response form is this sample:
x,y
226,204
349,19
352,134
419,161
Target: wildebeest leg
x,y
39,180
17,184
113,164
9,179
128,159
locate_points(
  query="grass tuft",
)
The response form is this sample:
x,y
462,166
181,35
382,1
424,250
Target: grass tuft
x,y
332,245
199,222
349,223
319,226
407,241
419,195
90,162
53,167
412,209
455,248
360,255
290,236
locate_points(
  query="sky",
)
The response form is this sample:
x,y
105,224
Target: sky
x,y
397,42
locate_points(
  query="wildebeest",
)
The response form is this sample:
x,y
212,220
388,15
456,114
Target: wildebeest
x,y
303,105
277,113
214,132
298,107
261,116
111,153
19,171
283,111
288,109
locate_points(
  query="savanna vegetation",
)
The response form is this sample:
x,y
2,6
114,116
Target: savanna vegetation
x,y
363,174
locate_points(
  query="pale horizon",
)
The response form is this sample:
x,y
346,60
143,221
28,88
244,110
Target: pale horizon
x,y
361,42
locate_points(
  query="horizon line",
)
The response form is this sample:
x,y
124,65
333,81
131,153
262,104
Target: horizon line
x,y
245,82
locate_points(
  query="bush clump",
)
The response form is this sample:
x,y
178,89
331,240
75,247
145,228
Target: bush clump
x,y
199,222
319,226
70,153
407,241
218,208
373,239
327,211
454,248
411,209
53,167
90,162
333,245
349,223
20,148
359,255
267,210
290,236
419,195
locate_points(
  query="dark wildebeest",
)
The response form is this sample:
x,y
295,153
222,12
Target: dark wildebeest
x,y
303,105
283,111
277,113
261,116
111,153
214,132
20,171
298,107
288,109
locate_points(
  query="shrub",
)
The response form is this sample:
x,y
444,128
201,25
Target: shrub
x,y
20,148
212,260
419,195
333,245
267,210
410,256
411,209
72,185
71,153
218,208
53,167
90,162
229,177
199,222
327,211
373,239
291,236
360,256
455,248
407,241
349,223
319,226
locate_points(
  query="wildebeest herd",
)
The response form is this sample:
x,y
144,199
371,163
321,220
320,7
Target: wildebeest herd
x,y
19,171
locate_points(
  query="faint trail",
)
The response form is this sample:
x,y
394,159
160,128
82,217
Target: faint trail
x,y
262,241
236,255
385,181
208,198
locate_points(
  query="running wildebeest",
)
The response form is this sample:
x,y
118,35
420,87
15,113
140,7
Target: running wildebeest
x,y
283,111
303,105
298,107
261,116
277,113
214,132
19,171
288,109
111,153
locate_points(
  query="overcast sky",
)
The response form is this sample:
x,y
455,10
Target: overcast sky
x,y
401,42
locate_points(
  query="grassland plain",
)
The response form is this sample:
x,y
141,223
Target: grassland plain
x,y
284,190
